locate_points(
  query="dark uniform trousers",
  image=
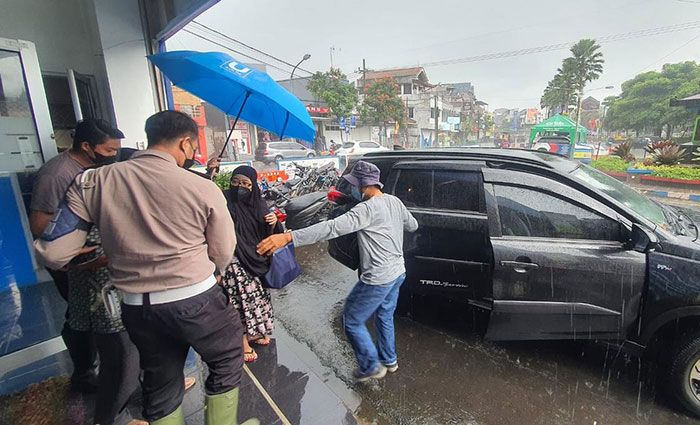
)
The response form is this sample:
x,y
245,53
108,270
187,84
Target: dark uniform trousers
x,y
163,334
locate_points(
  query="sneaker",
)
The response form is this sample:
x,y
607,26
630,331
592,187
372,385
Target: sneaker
x,y
377,374
391,368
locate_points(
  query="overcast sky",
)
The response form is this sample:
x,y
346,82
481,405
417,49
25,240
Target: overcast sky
x,y
395,33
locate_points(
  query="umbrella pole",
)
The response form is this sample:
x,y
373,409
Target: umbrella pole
x,y
233,127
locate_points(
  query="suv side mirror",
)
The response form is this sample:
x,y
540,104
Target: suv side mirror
x,y
642,239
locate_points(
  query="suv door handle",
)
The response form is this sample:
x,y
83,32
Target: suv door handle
x,y
519,266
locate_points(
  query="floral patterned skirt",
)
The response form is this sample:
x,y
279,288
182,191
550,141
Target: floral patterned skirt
x,y
250,298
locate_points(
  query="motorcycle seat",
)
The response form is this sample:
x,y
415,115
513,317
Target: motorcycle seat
x,y
304,201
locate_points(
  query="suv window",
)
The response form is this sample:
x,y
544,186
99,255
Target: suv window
x,y
447,190
276,145
348,145
528,212
368,145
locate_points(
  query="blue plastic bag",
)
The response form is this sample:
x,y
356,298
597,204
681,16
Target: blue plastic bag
x,y
283,268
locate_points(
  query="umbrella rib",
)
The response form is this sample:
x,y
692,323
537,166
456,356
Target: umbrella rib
x,y
233,127
284,127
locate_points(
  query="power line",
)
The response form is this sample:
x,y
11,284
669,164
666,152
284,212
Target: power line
x,y
233,50
669,53
229,38
561,46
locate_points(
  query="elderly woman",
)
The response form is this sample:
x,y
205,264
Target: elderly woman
x,y
253,223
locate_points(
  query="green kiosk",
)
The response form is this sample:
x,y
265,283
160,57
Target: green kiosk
x,y
558,134
691,103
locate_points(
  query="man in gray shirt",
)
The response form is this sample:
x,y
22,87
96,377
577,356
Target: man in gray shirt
x,y
380,222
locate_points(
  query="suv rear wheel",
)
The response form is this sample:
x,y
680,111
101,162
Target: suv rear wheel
x,y
684,379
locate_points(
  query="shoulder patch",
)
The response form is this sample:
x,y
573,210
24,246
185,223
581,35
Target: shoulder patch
x,y
64,222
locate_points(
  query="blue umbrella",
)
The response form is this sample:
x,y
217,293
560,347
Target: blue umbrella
x,y
237,89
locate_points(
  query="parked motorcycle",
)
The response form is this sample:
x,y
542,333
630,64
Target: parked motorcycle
x,y
303,199
306,210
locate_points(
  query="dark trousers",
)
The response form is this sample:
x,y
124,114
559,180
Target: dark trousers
x,y
163,334
83,354
119,376
81,345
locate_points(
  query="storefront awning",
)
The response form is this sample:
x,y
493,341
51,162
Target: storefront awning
x,y
166,17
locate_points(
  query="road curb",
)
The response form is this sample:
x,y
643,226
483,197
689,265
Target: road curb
x,y
691,197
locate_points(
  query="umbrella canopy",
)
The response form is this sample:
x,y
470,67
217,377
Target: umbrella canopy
x,y
237,90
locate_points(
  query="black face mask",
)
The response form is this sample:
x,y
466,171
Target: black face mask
x,y
241,193
189,162
101,160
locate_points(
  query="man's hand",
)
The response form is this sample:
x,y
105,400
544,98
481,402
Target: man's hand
x,y
272,243
213,166
271,219
96,264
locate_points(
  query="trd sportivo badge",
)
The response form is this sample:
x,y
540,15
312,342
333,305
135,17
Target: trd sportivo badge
x,y
441,283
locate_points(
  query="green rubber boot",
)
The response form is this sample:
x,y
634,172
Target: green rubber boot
x,y
222,409
175,418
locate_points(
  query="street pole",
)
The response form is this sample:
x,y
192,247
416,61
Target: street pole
x,y
578,120
291,77
437,114
364,74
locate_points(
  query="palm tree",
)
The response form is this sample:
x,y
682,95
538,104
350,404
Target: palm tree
x,y
588,62
559,93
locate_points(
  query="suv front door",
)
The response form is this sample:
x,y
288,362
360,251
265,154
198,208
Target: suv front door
x,y
561,269
450,253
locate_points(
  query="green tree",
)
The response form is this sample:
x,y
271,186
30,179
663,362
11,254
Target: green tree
x,y
382,105
644,104
335,90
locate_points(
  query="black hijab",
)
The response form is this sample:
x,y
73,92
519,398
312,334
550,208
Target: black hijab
x,y
249,220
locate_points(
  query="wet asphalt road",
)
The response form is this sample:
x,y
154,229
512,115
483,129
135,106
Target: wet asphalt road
x,y
449,375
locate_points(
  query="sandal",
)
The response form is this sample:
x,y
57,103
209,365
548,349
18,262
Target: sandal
x,y
263,341
189,383
250,356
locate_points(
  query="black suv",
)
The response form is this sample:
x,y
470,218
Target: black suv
x,y
553,249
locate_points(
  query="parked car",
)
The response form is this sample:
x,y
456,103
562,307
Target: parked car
x,y
552,249
360,148
277,151
562,145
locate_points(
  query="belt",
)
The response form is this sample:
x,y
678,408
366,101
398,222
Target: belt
x,y
169,295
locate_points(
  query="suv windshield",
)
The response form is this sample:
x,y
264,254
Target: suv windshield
x,y
623,194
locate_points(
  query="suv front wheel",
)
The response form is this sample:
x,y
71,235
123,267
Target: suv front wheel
x,y
684,379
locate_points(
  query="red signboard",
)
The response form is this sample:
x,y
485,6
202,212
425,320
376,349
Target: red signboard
x,y
318,110
272,176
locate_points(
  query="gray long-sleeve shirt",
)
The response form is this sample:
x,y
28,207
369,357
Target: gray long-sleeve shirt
x,y
379,222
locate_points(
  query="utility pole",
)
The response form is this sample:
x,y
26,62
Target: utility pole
x,y
578,119
478,125
437,114
364,74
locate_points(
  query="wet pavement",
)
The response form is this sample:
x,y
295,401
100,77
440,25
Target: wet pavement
x,y
449,375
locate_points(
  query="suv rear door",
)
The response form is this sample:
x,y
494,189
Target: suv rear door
x,y
561,270
450,253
